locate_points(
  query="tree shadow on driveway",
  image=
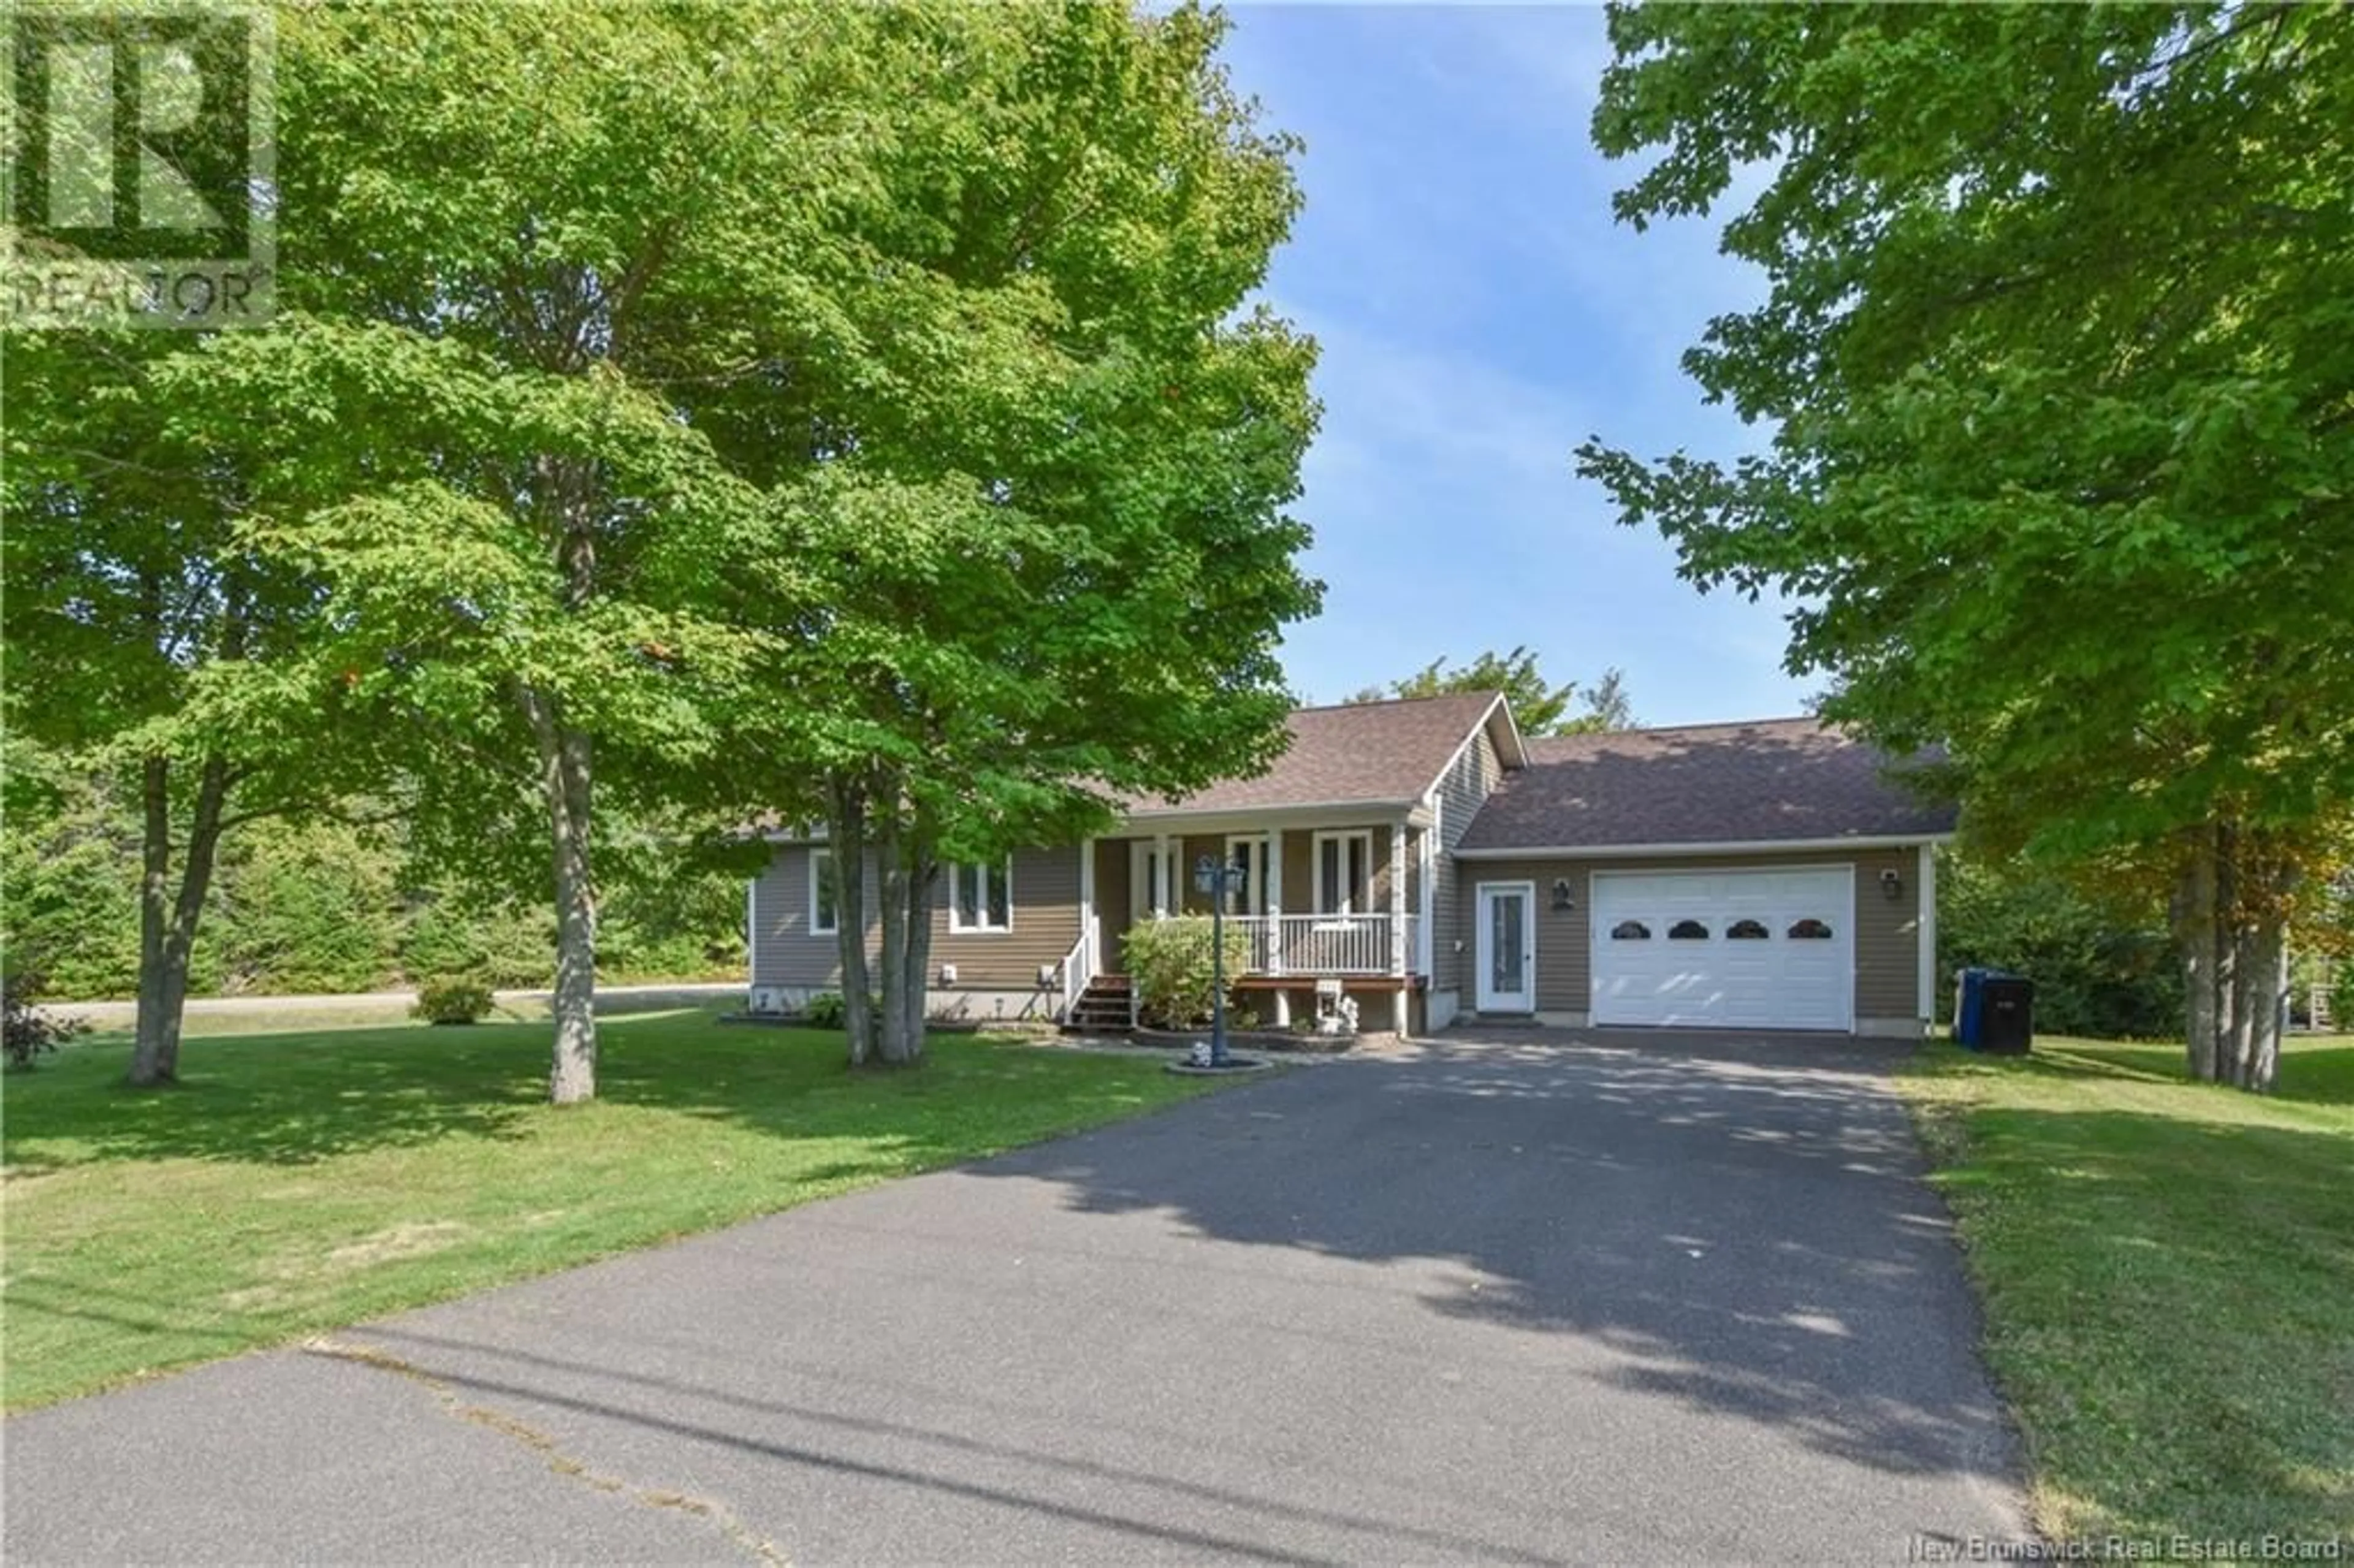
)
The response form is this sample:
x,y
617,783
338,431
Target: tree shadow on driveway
x,y
1740,1220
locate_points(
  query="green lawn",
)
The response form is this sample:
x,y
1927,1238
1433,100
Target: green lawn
x,y
2168,1272
299,1181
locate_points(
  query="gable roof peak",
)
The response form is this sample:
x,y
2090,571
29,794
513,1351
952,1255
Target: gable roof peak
x,y
1387,753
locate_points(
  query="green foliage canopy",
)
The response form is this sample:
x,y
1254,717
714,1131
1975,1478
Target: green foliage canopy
x,y
2059,365
1538,706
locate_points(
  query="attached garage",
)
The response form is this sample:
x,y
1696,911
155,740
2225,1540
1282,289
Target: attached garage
x,y
1778,875
1772,948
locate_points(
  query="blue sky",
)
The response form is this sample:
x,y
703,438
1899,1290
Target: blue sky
x,y
1481,313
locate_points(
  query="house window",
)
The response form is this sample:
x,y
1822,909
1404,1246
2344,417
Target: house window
x,y
1344,870
1631,931
825,893
1810,930
980,898
1747,931
1251,854
1688,931
1148,889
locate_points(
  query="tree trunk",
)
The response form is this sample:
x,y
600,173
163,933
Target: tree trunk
x,y
168,917
923,871
563,756
847,833
2233,933
2264,985
2194,928
892,1043
2230,1044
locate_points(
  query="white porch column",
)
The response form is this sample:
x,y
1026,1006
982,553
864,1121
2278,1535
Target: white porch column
x,y
1274,902
1397,899
1926,933
1163,903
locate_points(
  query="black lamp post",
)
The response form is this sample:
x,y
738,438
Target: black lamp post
x,y
1218,878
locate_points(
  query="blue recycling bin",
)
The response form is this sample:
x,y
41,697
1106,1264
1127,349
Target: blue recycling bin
x,y
1969,1007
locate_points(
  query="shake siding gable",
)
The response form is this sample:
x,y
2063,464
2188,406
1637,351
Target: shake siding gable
x,y
1459,793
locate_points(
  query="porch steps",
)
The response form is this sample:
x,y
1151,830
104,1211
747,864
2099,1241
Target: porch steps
x,y
1104,1008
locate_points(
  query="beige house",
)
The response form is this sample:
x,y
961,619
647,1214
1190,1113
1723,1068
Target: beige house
x,y
1424,860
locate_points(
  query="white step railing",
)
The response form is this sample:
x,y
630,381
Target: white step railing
x,y
1079,968
1330,944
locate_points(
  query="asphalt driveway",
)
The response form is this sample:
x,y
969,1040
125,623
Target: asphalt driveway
x,y
1615,1299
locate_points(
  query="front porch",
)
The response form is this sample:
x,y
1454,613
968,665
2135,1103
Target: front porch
x,y
1324,899
1328,908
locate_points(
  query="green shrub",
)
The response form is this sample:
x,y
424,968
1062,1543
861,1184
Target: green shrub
x,y
303,909
1170,961
450,930
30,1031
452,999
2341,998
2103,971
829,1010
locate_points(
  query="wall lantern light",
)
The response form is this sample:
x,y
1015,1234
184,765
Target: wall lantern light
x,y
1561,894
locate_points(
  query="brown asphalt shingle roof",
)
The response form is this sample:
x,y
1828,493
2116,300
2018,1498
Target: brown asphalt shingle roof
x,y
1773,780
1383,753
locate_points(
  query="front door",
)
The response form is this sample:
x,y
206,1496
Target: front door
x,y
1506,947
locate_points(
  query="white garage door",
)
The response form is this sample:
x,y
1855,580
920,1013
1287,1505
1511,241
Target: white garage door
x,y
1730,949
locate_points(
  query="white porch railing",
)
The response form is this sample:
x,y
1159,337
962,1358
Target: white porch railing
x,y
1078,968
1330,944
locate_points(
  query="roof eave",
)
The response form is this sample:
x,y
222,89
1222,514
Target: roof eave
x,y
1719,847
1378,805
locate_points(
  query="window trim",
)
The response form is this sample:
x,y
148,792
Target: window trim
x,y
956,924
1364,836
833,927
1262,855
1641,933
1824,931
1763,932
1689,928
1143,856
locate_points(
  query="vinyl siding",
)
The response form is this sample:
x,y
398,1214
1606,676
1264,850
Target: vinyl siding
x,y
1460,791
1045,907
1886,930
